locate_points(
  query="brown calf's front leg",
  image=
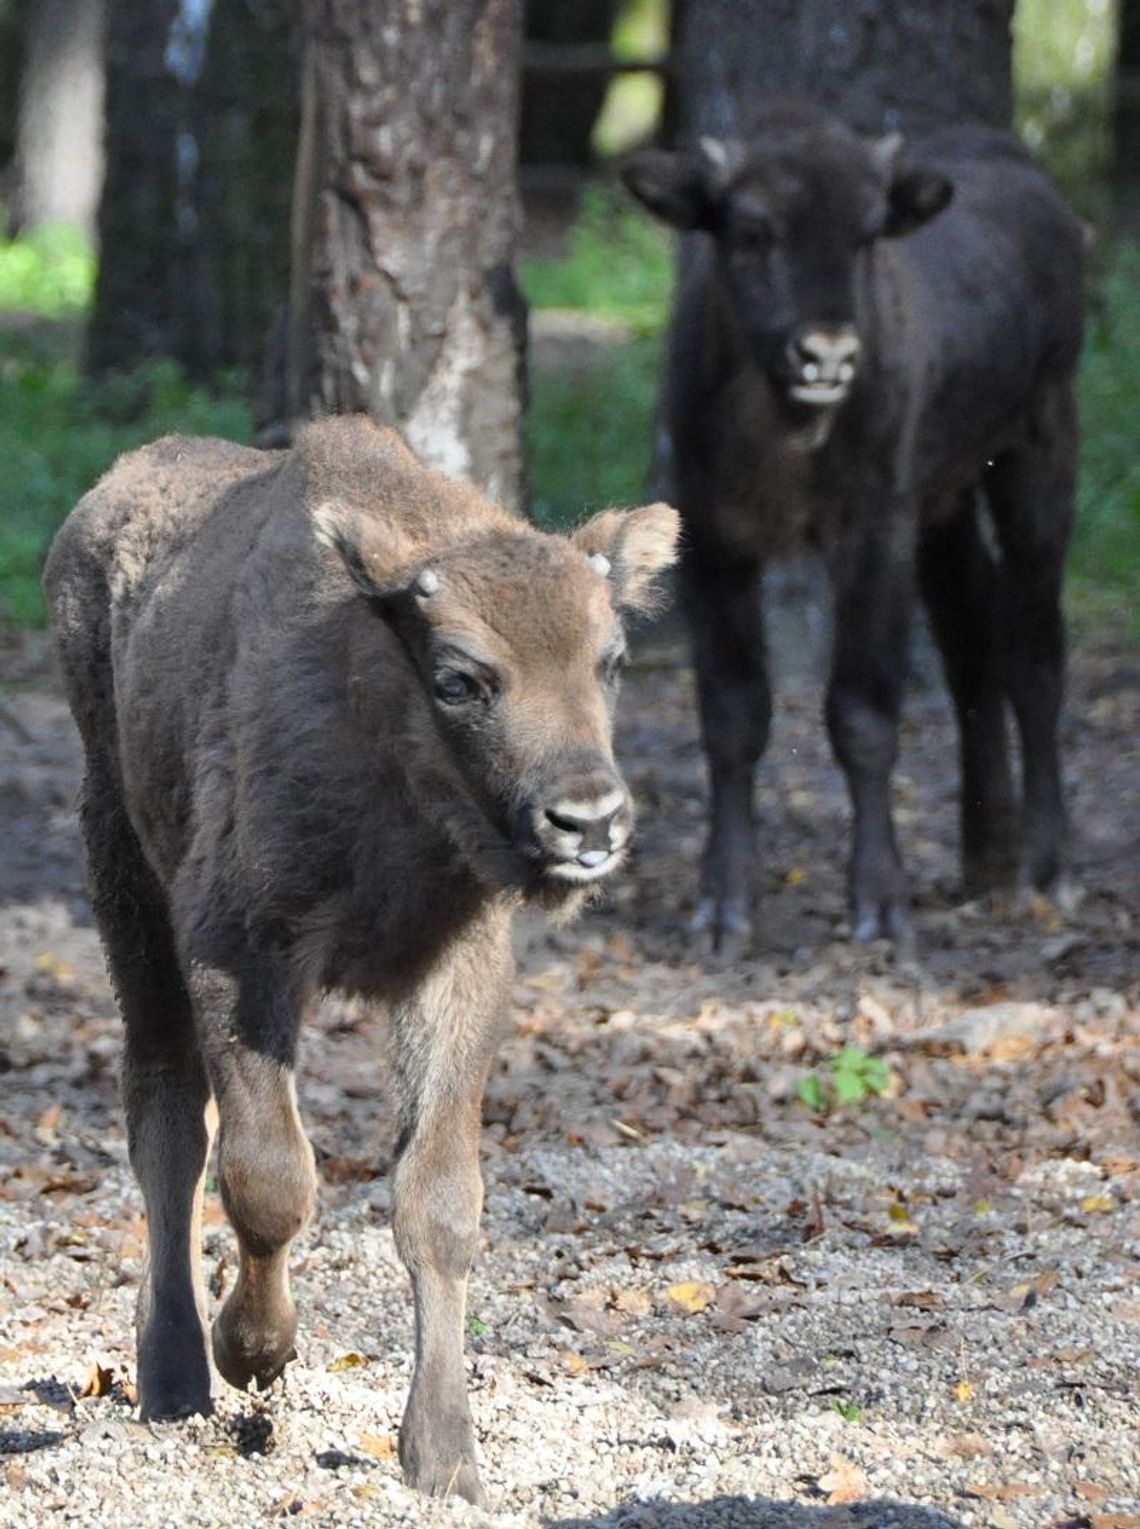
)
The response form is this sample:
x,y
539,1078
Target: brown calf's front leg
x,y
165,1092
441,1044
248,1013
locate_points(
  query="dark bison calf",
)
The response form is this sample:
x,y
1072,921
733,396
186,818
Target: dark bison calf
x,y
341,717
855,366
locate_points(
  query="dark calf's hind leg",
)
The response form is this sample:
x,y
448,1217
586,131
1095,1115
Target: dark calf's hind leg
x,y
441,1047
959,580
722,599
1031,494
248,1014
873,584
166,1094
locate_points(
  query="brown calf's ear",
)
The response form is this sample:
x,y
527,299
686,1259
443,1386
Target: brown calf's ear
x,y
378,558
915,195
678,188
637,545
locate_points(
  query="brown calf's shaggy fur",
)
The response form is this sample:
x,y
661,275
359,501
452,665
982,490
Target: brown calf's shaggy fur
x,y
341,717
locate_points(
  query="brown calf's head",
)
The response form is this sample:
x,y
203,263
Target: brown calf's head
x,y
516,641
794,212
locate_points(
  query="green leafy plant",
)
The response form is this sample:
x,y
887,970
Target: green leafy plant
x,y
850,1412
49,274
476,1326
850,1077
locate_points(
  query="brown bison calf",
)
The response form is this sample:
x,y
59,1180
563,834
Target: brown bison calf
x,y
341,717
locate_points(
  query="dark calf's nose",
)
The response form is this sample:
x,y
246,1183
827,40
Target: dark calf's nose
x,y
826,352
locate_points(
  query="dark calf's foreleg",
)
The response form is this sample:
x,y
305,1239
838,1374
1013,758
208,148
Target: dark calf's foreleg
x,y
1031,494
873,583
248,1012
959,579
165,1093
722,600
441,1045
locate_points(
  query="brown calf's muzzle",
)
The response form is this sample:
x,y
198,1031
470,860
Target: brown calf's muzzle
x,y
577,824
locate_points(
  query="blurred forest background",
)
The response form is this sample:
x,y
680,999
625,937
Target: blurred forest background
x,y
219,216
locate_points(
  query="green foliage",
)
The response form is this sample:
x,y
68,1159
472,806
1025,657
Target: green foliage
x,y
619,266
1105,568
591,424
590,432
849,1078
850,1412
476,1326
49,274
58,434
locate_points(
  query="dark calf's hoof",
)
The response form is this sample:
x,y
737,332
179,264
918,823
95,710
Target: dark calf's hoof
x,y
173,1368
724,929
438,1457
245,1351
889,920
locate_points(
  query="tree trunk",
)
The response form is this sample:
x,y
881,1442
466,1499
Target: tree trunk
x,y
403,299
136,310
202,107
878,64
242,117
58,166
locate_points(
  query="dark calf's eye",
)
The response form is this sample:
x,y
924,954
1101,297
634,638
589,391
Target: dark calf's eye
x,y
610,668
454,688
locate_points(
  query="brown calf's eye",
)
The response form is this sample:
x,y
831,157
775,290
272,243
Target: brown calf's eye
x,y
454,688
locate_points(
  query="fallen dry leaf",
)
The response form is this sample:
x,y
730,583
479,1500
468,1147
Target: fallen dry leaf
x,y
692,1296
378,1446
844,1482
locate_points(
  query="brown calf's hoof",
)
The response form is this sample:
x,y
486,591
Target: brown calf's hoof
x,y
245,1350
438,1457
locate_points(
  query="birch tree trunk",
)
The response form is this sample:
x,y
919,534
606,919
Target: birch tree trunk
x,y
403,301
58,168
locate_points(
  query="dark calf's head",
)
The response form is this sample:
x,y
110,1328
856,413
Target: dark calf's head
x,y
794,212
516,643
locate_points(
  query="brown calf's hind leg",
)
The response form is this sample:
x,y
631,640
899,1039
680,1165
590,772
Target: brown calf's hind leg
x,y
248,1014
165,1093
441,1047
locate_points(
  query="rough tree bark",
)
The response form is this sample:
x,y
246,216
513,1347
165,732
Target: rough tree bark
x,y
242,116
202,111
136,309
880,64
403,299
58,168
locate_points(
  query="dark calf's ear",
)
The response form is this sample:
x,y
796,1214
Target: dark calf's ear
x,y
915,195
675,187
631,547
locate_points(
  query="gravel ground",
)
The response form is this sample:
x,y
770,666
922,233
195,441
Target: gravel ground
x,y
697,1302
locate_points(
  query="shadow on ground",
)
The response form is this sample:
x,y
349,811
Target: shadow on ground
x,y
761,1513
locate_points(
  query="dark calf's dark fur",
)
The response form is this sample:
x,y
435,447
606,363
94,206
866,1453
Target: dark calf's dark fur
x,y
872,350
341,716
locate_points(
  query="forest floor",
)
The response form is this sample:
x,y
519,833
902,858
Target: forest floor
x,y
697,1301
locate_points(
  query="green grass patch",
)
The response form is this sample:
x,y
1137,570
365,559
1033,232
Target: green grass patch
x,y
1104,583
619,266
48,275
58,435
